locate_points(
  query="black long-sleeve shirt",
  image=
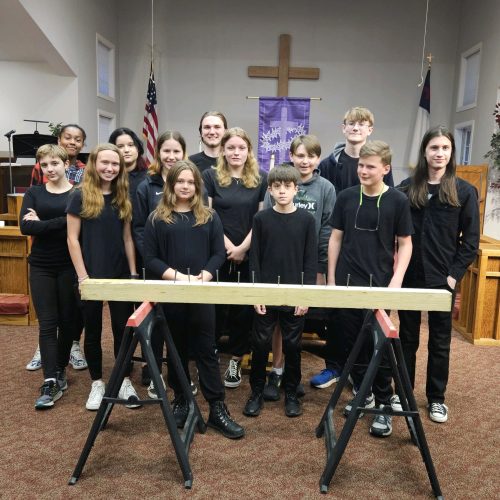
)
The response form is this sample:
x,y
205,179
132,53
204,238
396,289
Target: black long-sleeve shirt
x,y
446,238
284,245
49,247
182,245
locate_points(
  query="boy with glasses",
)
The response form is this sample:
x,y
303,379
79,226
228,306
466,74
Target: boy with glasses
x,y
340,168
367,221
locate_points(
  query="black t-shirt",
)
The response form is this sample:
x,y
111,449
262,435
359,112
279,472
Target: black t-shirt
x,y
348,170
368,243
203,161
49,247
101,239
235,204
284,245
182,245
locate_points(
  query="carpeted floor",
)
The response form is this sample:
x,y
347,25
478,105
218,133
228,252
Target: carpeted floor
x,y
278,457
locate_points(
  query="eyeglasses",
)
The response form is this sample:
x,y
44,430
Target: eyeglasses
x,y
357,124
359,206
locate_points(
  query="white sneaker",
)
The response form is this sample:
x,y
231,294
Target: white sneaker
x,y
76,357
396,403
152,393
36,362
127,391
96,395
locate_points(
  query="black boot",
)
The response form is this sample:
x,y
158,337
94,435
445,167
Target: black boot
x,y
180,410
220,420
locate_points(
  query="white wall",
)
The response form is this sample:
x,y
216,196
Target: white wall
x,y
368,54
479,23
34,93
70,27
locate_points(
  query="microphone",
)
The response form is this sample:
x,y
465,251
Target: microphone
x,y
8,134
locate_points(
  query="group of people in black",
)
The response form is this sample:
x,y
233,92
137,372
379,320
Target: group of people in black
x,y
218,214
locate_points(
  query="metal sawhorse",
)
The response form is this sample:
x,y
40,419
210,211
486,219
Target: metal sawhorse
x,y
140,326
385,339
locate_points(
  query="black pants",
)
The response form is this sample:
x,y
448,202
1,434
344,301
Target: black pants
x,y
291,331
350,322
193,330
438,357
235,320
336,350
92,316
56,308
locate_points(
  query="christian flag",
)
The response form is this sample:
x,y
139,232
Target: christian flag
x,y
280,120
150,126
422,122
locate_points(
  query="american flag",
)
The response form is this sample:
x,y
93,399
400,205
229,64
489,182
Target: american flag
x,y
150,126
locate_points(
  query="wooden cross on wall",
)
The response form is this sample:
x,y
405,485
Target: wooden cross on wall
x,y
283,72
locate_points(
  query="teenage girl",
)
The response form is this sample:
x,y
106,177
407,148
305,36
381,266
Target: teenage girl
x,y
445,214
43,215
171,147
236,190
132,149
100,244
71,138
184,240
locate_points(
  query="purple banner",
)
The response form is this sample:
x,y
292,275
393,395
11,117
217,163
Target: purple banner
x,y
280,120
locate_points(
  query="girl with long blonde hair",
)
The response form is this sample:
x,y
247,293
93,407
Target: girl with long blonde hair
x,y
100,244
236,190
183,241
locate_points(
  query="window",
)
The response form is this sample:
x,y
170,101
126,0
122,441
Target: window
x,y
463,139
105,125
105,57
469,78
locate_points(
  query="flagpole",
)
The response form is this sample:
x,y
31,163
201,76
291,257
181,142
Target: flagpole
x,y
152,32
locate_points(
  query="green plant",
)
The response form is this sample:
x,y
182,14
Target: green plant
x,y
55,128
494,153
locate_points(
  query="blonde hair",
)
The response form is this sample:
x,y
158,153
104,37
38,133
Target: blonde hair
x,y
52,150
377,148
92,196
250,176
166,206
155,167
359,114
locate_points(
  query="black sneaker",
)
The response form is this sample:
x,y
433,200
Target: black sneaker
x,y
272,388
50,392
220,420
62,380
180,410
232,376
254,404
145,376
381,425
369,403
292,404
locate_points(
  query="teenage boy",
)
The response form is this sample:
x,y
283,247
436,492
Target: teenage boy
x,y
212,126
367,220
316,195
341,169
283,249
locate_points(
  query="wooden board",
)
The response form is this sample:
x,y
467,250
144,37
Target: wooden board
x,y
277,295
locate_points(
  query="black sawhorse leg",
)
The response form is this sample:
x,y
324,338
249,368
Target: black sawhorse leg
x,y
385,339
139,330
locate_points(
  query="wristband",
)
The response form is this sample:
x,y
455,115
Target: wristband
x,y
83,278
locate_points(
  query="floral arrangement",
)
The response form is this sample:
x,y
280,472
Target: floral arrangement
x,y
494,152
